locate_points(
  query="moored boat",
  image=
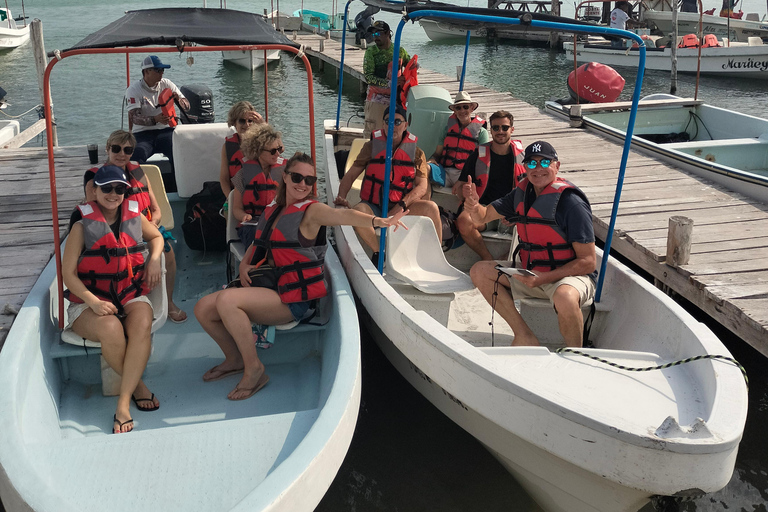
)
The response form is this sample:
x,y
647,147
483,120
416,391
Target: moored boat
x,y
251,59
688,23
11,34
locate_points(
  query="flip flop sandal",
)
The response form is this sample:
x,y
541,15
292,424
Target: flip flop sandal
x,y
221,373
178,314
120,424
255,389
150,400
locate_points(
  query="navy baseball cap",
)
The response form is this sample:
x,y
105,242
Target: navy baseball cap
x,y
153,61
540,148
398,110
110,174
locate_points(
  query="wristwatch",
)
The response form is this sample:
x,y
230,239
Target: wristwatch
x,y
402,205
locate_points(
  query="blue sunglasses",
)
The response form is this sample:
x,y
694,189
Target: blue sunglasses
x,y
545,162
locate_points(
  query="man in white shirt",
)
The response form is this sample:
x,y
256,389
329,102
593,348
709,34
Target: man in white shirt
x,y
620,19
149,124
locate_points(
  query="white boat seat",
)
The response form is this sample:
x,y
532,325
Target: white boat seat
x,y
155,178
236,248
354,151
752,16
197,155
416,257
754,41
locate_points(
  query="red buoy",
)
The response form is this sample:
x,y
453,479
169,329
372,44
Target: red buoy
x,y
597,83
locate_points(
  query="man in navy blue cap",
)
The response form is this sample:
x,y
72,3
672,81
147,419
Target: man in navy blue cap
x,y
145,117
556,244
409,177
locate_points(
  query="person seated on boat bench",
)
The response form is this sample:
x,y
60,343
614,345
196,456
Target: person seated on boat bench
x,y
120,147
409,184
463,133
153,129
621,19
495,174
256,182
242,116
556,242
291,240
108,272
377,69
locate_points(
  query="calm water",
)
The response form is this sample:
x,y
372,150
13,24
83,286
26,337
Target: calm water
x,y
405,456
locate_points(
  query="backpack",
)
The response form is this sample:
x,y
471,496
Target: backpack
x,y
204,228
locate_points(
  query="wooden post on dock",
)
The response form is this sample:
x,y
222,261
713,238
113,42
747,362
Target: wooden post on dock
x,y
673,49
554,37
679,240
41,61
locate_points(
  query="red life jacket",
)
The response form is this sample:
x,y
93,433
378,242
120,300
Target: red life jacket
x,y
542,244
410,73
165,102
235,157
689,41
483,164
260,188
403,171
300,269
459,142
112,268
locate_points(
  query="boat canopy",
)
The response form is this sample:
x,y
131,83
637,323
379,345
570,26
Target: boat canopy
x,y
211,27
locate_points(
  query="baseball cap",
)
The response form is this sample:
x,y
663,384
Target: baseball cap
x,y
398,110
153,61
540,148
378,25
110,174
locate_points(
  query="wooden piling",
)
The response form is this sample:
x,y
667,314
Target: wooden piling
x,y
41,62
679,239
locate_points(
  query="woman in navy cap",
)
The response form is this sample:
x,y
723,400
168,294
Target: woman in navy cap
x,y
111,261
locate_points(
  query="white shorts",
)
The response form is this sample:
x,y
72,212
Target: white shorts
x,y
76,309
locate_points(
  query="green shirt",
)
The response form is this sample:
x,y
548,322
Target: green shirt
x,y
376,64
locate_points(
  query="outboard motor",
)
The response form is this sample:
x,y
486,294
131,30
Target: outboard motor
x,y
597,83
2,98
200,105
363,22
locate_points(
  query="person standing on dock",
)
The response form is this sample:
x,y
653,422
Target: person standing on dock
x,y
148,120
556,244
377,68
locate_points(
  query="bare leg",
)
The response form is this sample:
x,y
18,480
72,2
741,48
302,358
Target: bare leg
x,y
367,235
208,316
428,209
484,276
569,315
170,282
138,331
470,233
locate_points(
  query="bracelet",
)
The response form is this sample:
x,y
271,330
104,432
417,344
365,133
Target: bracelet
x,y
373,222
402,205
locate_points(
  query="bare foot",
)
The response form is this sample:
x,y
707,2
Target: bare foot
x,y
525,341
144,399
249,385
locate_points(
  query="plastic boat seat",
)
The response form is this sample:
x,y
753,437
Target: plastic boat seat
x,y
236,247
416,257
541,317
754,41
354,151
197,155
155,178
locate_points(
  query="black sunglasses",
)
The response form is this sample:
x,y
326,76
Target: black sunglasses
x,y
463,107
274,151
296,178
119,189
398,122
502,127
246,121
159,70
116,148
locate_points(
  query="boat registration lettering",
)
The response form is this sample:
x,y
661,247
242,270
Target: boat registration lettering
x,y
750,63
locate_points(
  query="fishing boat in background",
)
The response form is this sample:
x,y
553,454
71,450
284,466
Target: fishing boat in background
x,y
277,451
441,31
251,59
577,434
688,23
727,147
11,34
333,23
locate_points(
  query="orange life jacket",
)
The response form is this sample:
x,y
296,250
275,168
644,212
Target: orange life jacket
x,y
689,41
483,165
165,102
459,142
411,74
403,172
710,41
260,188
235,157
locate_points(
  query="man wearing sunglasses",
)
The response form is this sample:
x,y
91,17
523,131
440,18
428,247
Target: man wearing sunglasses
x,y
145,117
556,243
495,168
462,134
377,68
409,178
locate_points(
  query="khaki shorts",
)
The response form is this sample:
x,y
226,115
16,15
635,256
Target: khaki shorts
x,y
75,309
583,284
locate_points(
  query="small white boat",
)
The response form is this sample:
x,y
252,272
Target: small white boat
x,y
11,35
9,128
250,59
442,31
688,23
284,21
738,60
727,147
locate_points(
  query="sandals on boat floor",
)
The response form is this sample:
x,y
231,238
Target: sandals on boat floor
x,y
178,317
255,389
120,424
221,373
150,400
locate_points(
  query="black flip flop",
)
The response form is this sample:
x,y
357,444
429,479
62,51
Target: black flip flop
x,y
150,399
120,424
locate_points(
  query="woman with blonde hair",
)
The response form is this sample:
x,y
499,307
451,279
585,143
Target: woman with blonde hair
x,y
242,116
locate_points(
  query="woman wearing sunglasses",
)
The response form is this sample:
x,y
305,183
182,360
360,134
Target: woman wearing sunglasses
x,y
242,116
297,218
108,302
120,146
255,184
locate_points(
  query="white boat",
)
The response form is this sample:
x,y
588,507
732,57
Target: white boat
x,y
688,23
284,21
738,60
727,147
441,31
250,59
9,128
11,35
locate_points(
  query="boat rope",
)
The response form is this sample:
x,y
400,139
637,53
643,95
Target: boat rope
x,y
57,54
301,52
659,367
20,115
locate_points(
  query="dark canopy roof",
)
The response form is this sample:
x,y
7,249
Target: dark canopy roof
x,y
413,6
203,26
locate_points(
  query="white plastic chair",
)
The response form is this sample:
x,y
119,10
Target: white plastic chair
x,y
155,178
415,256
236,247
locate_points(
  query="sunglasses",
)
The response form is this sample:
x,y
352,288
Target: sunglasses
x,y
116,148
246,121
119,189
502,127
159,70
375,34
274,151
297,178
463,107
398,122
544,162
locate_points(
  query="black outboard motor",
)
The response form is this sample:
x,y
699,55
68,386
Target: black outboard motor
x,y
363,22
200,105
2,97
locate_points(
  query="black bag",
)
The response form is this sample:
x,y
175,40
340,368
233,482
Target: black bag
x,y
204,228
263,277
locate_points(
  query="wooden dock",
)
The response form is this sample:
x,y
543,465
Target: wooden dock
x,y
727,275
